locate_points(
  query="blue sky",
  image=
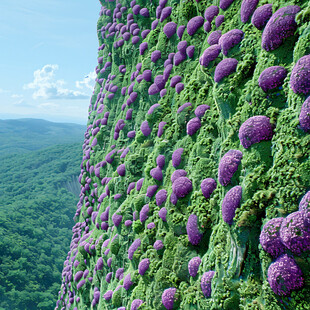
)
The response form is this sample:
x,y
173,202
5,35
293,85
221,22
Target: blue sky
x,y
47,49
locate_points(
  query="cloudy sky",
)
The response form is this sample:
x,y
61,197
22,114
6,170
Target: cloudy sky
x,y
47,58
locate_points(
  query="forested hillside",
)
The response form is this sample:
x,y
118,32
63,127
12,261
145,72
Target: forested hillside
x,y
38,194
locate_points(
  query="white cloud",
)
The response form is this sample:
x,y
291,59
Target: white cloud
x,y
88,81
16,96
46,87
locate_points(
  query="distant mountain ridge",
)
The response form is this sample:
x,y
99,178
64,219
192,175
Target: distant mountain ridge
x,y
28,134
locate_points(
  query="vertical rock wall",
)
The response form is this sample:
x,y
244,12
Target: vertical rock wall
x,y
197,137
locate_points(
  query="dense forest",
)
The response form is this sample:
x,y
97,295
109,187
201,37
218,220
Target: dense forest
x,y
39,190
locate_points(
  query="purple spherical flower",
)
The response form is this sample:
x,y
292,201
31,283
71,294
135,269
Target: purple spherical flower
x,y
117,219
143,266
144,213
160,160
167,297
143,47
210,54
261,16
300,76
155,56
175,80
225,67
194,24
230,203
193,266
230,39
272,77
136,304
158,245
207,187
161,129
219,20
228,166
224,4
284,275
211,12
270,237
162,213
157,174
205,283
214,37
139,184
166,12
201,110
180,31
182,186
170,29
145,128
151,190
194,236
127,282
294,233
176,157
108,295
161,197
255,129
134,246
304,116
247,9
193,125
121,170
177,174
280,26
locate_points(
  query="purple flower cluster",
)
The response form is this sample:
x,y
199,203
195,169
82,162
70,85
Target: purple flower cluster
x,y
261,16
194,24
182,186
225,67
193,266
272,77
205,283
270,237
255,129
167,297
247,9
300,76
143,266
304,116
194,236
230,203
228,166
134,246
176,157
284,275
207,187
230,39
280,26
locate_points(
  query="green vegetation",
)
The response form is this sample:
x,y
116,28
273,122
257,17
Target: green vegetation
x,y
39,191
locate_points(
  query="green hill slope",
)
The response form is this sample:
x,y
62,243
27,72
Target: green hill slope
x,y
38,191
25,135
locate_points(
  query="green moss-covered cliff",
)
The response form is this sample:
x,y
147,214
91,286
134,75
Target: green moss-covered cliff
x,y
274,173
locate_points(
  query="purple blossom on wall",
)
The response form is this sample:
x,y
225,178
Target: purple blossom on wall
x,y
176,157
180,31
144,213
193,126
134,246
161,197
261,16
193,266
162,213
228,166
304,116
157,174
284,275
210,54
201,110
247,9
170,29
211,12
145,128
136,304
139,184
205,283
270,237
214,37
294,233
161,129
230,203
166,12
167,297
280,26
194,24
255,129
230,39
272,77
143,266
224,4
194,236
158,245
300,76
127,282
151,190
207,187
